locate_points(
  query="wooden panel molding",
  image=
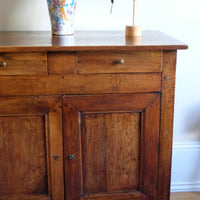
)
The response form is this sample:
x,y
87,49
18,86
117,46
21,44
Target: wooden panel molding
x,y
28,197
102,142
31,127
118,196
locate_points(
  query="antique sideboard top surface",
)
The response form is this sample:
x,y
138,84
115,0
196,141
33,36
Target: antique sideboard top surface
x,y
34,41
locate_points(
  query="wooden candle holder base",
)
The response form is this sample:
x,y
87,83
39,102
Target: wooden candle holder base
x,y
133,31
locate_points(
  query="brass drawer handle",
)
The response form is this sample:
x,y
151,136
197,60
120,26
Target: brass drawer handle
x,y
120,61
3,64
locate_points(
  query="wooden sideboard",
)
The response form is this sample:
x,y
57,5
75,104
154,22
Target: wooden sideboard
x,y
87,117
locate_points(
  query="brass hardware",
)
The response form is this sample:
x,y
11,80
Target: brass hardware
x,y
3,64
71,157
120,61
56,157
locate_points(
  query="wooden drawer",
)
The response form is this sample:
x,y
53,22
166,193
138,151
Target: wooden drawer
x,y
61,63
119,62
23,63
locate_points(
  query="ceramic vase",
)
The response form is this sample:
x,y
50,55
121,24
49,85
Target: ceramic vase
x,y
62,14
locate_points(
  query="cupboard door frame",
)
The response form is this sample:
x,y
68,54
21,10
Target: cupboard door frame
x,y
149,106
166,125
50,107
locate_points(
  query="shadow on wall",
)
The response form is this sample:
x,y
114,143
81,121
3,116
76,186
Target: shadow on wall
x,y
23,15
193,127
9,12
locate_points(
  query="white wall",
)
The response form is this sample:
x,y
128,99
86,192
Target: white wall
x,y
179,18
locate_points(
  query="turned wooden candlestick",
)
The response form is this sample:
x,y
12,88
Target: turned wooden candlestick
x,y
133,30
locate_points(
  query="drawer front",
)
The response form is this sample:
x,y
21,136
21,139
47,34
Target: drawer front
x,y
119,62
23,63
61,63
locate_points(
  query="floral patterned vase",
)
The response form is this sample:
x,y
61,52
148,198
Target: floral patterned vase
x,y
62,13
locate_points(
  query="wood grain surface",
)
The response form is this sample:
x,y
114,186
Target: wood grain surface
x,y
79,84
115,150
86,41
22,137
118,196
108,62
61,63
30,136
111,149
150,149
73,168
110,102
69,95
54,137
27,197
24,63
166,128
30,105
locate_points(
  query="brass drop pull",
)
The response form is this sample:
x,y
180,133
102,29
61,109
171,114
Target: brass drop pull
x,y
3,64
120,61
56,157
71,157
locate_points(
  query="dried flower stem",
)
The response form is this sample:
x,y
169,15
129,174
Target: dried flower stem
x,y
112,2
133,12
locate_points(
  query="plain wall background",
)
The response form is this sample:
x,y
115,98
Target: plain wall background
x,y
178,18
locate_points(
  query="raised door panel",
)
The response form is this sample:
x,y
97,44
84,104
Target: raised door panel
x,y
22,156
107,165
29,127
111,146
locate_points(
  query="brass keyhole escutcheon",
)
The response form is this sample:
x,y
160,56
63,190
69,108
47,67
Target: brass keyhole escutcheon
x,y
56,157
71,157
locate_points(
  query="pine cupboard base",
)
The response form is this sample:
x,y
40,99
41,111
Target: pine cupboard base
x,y
88,116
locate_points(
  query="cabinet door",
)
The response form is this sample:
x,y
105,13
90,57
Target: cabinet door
x,y
31,152
111,145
